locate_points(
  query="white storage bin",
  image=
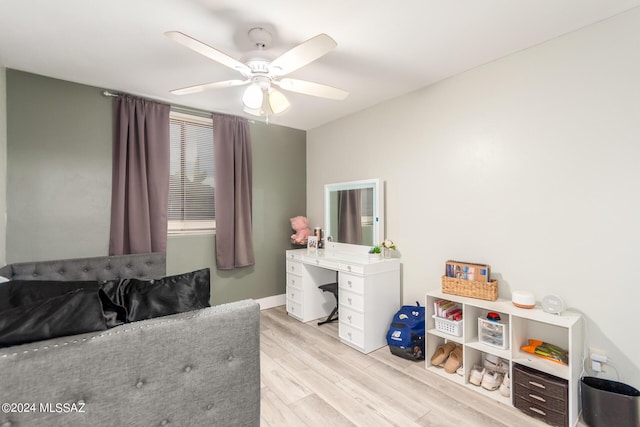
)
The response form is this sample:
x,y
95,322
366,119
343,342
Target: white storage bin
x,y
451,327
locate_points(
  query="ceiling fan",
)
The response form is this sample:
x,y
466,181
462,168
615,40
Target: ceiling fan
x,y
261,98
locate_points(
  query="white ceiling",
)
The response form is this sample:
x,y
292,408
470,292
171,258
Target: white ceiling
x,y
385,48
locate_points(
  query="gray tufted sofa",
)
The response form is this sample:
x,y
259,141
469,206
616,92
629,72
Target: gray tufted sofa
x,y
199,368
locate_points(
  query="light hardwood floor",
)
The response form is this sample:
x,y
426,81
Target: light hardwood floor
x,y
308,378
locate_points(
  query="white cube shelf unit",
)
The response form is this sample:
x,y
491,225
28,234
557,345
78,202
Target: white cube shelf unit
x,y
564,330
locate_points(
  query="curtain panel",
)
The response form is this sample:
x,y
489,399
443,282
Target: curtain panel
x,y
140,179
234,192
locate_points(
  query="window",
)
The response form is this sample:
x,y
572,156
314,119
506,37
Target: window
x,y
191,186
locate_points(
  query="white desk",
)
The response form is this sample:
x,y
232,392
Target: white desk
x,y
368,291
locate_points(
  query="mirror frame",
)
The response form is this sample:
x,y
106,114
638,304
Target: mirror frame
x,y
378,205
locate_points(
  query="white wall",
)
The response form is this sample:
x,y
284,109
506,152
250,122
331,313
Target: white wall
x,y
3,165
530,163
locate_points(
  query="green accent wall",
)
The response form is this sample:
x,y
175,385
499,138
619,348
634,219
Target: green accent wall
x,y
279,193
59,139
58,168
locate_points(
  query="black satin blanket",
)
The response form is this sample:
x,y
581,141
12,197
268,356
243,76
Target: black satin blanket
x,y
37,310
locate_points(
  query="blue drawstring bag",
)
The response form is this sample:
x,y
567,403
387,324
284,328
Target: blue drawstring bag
x,y
406,333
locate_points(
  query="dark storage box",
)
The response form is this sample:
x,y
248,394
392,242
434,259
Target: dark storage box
x,y
607,403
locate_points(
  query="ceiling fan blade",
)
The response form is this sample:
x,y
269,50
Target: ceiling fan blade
x,y
208,51
214,85
311,88
302,55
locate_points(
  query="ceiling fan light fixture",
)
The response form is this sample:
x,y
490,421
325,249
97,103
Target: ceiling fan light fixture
x,y
253,97
278,102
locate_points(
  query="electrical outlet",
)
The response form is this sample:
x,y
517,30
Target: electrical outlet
x,y
598,355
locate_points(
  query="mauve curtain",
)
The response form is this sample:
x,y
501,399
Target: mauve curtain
x,y
233,184
140,179
349,217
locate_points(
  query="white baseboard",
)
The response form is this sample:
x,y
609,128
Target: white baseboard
x,y
272,301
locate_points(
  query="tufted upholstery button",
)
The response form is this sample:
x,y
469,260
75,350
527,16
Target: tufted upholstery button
x,y
139,384
187,369
129,266
61,272
209,406
230,358
85,269
108,267
164,422
35,274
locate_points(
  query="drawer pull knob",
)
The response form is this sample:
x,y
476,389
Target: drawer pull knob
x,y
349,333
537,385
349,267
292,268
541,399
317,261
349,282
293,309
350,303
293,294
539,411
349,317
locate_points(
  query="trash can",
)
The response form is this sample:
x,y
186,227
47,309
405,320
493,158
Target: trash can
x,y
607,403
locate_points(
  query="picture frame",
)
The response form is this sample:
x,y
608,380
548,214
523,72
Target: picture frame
x,y
312,243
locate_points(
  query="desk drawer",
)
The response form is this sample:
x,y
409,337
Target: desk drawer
x,y
324,263
294,308
351,317
351,335
294,267
294,280
352,268
294,294
351,300
352,283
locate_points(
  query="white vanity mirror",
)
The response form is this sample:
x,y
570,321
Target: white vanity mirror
x,y
354,212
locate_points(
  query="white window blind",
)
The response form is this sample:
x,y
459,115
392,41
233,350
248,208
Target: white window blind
x,y
191,185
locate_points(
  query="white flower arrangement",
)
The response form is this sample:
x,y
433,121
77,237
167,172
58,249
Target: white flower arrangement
x,y
388,244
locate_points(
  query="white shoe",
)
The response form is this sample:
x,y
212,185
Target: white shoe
x,y
505,387
491,380
475,377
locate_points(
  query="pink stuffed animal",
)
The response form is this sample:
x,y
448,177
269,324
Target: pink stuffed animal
x,y
299,224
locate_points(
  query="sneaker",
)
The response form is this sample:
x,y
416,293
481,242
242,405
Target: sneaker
x,y
505,387
460,371
475,377
491,380
495,364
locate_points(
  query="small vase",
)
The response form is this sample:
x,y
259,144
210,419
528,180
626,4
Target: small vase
x,y
386,253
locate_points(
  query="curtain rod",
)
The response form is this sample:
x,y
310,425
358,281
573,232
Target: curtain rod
x,y
177,108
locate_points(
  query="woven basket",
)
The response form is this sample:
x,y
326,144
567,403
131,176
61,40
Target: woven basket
x,y
470,288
